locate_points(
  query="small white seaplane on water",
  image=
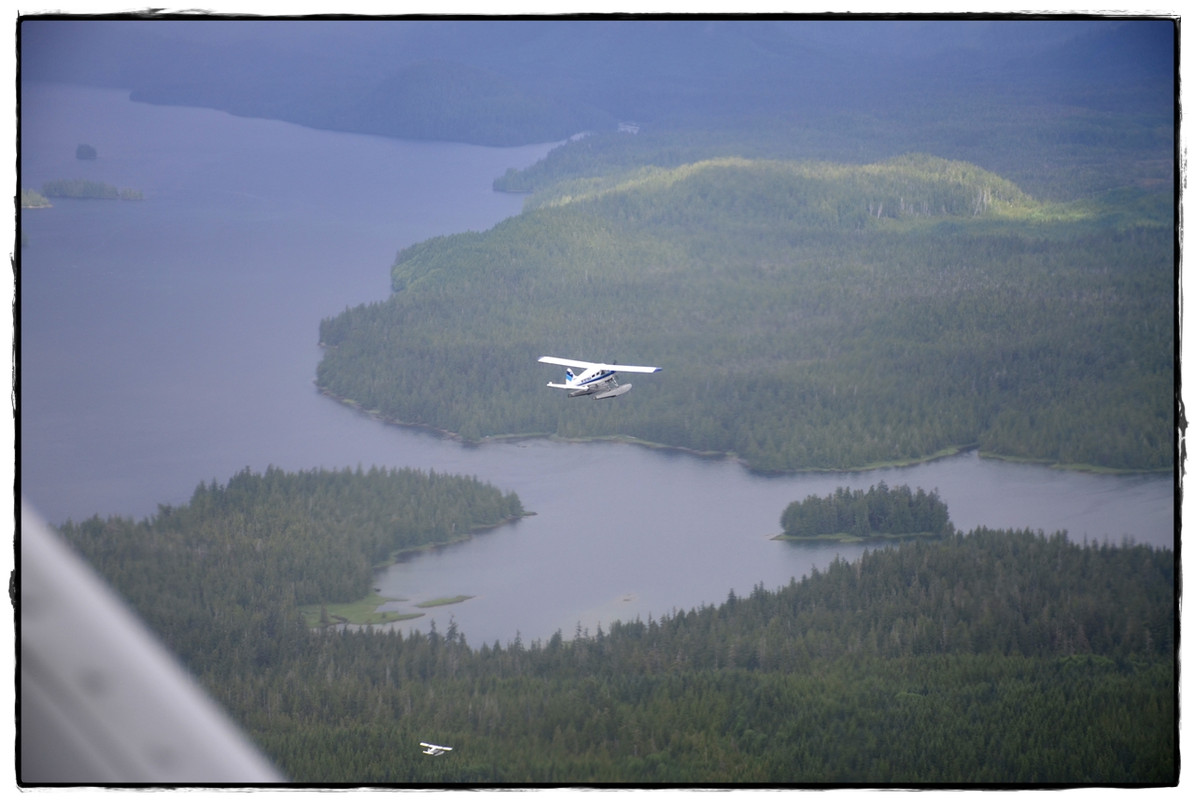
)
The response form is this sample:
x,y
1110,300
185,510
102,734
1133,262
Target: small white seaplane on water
x,y
434,749
599,380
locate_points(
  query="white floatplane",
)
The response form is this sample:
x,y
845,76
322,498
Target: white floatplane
x,y
599,380
434,749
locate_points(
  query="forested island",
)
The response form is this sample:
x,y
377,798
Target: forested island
x,y
808,315
31,198
88,190
1009,657
878,514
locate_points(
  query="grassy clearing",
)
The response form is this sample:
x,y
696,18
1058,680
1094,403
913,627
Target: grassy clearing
x,y
444,601
1092,468
365,611
361,612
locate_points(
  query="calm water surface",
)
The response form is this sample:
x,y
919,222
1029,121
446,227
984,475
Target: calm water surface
x,y
173,340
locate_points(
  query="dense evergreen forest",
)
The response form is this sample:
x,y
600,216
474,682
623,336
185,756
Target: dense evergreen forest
x,y
230,568
989,657
1055,152
848,245
807,315
819,299
878,513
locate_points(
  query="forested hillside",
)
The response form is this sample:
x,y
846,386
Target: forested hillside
x,y
807,316
1055,151
990,657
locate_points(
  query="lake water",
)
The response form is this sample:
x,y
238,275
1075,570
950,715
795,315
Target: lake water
x,y
174,340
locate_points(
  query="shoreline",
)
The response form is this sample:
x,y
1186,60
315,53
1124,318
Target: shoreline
x,y
714,455
850,538
406,552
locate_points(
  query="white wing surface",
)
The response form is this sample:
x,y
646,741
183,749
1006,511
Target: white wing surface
x,y
572,362
568,362
629,368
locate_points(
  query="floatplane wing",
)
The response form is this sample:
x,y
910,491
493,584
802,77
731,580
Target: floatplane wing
x,y
595,378
584,365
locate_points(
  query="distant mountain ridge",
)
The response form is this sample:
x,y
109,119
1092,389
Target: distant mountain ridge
x,y
523,81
